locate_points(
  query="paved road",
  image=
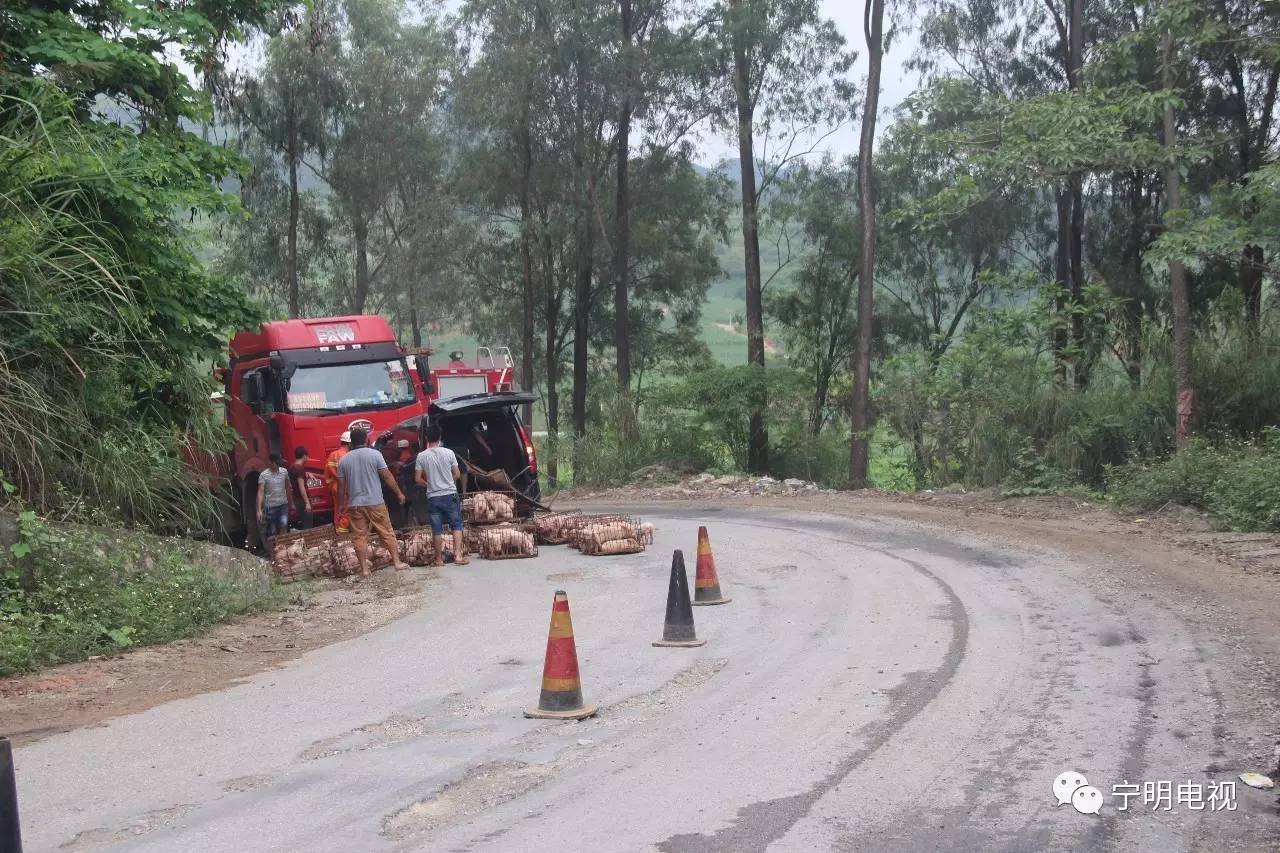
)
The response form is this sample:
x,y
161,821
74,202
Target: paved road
x,y
872,686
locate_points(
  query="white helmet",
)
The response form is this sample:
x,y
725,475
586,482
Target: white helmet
x,y
346,437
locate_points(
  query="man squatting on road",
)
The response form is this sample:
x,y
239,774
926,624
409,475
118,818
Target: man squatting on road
x,y
361,475
437,469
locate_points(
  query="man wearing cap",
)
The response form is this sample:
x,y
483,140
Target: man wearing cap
x,y
361,475
402,469
341,519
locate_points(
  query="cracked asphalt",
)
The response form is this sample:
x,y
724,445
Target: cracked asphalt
x,y
873,685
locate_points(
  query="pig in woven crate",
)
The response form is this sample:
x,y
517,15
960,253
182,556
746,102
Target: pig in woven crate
x,y
556,528
303,557
610,535
418,549
507,540
488,507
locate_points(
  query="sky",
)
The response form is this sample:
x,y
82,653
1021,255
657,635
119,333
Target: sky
x,y
896,82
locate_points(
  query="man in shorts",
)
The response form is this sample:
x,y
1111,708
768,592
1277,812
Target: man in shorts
x,y
361,476
436,473
274,498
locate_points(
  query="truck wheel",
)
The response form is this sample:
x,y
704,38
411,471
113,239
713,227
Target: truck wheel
x,y
249,518
227,526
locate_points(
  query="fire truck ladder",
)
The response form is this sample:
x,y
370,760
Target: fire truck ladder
x,y
486,354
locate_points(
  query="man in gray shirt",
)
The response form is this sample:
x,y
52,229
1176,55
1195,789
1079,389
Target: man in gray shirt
x,y
361,475
435,471
273,498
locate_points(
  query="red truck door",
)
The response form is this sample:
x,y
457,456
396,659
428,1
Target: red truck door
x,y
252,405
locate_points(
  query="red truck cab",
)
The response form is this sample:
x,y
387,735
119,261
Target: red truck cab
x,y
303,383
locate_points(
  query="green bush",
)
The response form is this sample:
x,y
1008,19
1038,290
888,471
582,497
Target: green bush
x,y
991,410
67,593
1237,484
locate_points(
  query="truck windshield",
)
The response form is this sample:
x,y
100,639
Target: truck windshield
x,y
350,387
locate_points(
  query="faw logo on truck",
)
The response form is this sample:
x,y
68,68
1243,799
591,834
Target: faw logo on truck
x,y
337,334
360,423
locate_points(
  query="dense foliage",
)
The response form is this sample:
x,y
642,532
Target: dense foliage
x,y
109,322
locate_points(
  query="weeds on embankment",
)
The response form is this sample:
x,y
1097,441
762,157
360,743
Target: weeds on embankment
x,y
69,592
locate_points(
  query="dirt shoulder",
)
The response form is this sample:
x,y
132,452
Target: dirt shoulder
x,y
1237,576
89,693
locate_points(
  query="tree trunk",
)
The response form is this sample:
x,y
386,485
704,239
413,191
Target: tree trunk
x,y
622,238
552,372
1076,259
582,314
1178,290
1252,263
758,438
415,327
360,230
1075,63
1062,278
1131,309
291,259
860,444
526,260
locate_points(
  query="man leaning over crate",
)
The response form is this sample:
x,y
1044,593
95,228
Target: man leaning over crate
x,y
436,472
361,475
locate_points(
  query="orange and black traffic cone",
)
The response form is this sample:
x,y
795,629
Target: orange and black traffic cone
x,y
561,697
706,584
678,630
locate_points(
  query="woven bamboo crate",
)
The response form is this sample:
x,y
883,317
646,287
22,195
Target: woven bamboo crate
x,y
314,553
588,543
472,515
473,535
413,549
585,521
484,544
555,528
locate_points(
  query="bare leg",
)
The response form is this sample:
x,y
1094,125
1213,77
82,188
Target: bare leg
x,y
392,545
459,549
438,540
362,557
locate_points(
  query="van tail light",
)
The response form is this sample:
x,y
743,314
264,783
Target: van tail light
x,y
529,450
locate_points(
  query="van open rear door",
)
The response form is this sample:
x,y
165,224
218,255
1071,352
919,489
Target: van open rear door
x,y
485,433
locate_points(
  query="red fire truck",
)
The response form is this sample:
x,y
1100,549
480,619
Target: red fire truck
x,y
302,383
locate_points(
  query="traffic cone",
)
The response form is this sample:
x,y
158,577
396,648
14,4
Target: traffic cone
x,y
10,832
706,584
561,697
678,630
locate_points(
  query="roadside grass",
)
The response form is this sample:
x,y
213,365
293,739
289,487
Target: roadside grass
x,y
68,593
1236,483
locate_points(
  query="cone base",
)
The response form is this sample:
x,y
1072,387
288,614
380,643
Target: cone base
x,y
575,714
724,600
684,644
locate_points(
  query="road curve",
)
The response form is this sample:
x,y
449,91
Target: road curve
x,y
873,685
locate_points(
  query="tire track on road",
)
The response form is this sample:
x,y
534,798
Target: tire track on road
x,y
760,824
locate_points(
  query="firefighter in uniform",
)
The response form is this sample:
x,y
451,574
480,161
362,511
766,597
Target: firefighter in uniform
x,y
341,517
